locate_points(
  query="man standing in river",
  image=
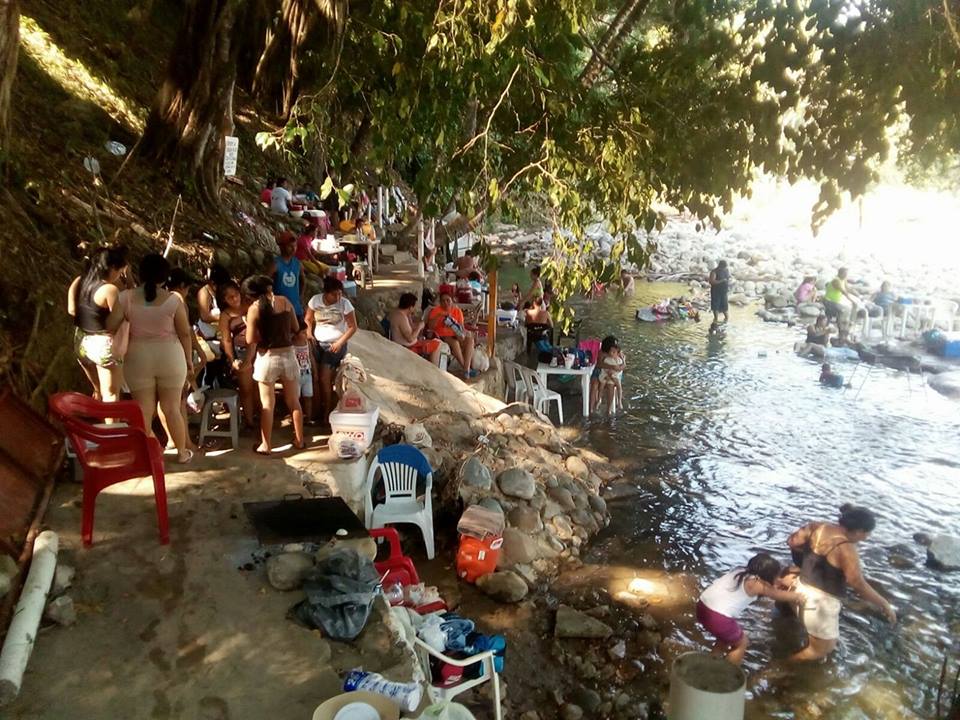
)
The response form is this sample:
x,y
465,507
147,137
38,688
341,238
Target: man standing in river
x,y
719,286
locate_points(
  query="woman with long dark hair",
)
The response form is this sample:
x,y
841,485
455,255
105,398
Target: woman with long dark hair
x,y
271,325
233,337
90,299
160,356
829,562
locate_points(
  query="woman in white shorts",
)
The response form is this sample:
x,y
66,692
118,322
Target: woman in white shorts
x,y
828,559
271,325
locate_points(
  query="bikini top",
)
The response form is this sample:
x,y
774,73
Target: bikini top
x,y
816,570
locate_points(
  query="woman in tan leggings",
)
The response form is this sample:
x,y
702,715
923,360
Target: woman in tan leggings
x,y
160,354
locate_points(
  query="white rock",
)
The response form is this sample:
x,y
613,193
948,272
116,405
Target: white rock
x,y
61,611
944,552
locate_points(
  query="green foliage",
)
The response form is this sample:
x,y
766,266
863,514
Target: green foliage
x,y
703,96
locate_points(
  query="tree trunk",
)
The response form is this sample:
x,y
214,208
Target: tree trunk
x,y
277,79
9,46
193,111
605,50
254,33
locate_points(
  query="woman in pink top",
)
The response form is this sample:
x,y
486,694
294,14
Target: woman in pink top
x,y
160,354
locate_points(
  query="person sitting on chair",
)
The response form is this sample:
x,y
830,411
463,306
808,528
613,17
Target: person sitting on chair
x,y
446,322
406,331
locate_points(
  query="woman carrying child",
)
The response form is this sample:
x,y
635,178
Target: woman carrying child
x,y
233,333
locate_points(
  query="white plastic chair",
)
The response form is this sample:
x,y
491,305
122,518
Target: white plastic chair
x,y
424,652
540,395
944,314
515,382
444,356
400,466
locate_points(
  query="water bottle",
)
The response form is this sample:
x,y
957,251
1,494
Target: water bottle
x,y
406,695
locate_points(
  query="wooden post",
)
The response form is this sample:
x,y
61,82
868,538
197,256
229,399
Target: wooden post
x,y
492,314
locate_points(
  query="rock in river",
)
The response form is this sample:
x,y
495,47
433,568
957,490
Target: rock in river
x,y
506,587
517,482
575,624
944,553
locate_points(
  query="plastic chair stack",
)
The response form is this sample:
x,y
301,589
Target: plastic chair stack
x,y
400,467
110,454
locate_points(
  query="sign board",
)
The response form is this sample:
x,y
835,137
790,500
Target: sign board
x,y
231,147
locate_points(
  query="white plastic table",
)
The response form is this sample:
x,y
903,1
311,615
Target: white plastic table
x,y
372,246
544,369
919,312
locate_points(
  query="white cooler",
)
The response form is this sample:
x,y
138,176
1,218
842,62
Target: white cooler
x,y
358,426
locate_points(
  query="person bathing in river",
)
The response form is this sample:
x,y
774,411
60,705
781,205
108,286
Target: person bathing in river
x,y
719,286
829,562
611,378
725,600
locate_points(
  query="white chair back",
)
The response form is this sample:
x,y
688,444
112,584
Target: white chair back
x,y
399,481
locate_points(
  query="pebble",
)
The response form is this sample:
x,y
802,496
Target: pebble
x,y
571,712
61,611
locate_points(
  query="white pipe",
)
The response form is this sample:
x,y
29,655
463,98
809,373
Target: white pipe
x,y
26,616
420,269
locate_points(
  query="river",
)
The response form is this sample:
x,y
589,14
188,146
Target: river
x,y
735,444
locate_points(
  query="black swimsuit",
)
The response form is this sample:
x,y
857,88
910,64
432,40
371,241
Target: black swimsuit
x,y
816,570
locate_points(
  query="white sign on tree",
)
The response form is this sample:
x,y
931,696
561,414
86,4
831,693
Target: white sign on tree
x,y
231,148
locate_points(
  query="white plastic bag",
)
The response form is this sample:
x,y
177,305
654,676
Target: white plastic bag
x,y
480,362
416,434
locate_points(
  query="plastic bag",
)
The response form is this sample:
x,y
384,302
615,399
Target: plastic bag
x,y
344,446
447,711
340,591
416,434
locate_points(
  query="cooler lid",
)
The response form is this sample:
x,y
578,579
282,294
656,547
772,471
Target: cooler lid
x,y
479,522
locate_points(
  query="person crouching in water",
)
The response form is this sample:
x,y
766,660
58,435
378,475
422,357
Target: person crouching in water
x,y
725,600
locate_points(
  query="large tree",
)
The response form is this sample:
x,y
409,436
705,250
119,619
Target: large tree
x,y
193,111
9,46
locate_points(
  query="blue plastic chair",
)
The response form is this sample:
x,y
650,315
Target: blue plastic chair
x,y
400,467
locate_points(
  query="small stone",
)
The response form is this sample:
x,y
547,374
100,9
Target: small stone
x,y
618,651
61,611
550,510
518,548
476,474
587,699
571,712
577,467
505,587
8,571
575,624
287,570
648,622
62,580
525,518
623,699
517,482
562,497
562,527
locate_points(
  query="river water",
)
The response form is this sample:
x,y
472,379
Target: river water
x,y
735,444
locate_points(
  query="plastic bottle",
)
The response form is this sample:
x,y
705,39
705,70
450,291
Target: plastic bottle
x,y
406,695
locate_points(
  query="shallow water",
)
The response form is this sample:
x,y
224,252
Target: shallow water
x,y
736,445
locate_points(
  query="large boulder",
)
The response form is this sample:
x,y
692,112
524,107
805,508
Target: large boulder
x,y
517,482
575,624
947,384
505,587
476,474
519,548
944,552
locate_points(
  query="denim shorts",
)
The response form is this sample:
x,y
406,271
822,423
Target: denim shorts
x,y
331,359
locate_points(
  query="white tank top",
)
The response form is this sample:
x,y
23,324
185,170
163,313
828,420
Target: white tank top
x,y
726,596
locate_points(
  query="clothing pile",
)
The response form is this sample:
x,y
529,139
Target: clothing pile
x,y
668,310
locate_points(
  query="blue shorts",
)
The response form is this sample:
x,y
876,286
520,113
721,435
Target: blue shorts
x,y
331,359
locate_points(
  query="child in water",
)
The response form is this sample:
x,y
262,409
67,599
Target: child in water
x,y
830,378
725,600
612,363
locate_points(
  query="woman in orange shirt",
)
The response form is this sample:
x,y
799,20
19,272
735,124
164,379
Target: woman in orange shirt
x,y
446,322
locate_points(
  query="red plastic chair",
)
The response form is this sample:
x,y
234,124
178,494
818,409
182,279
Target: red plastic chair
x,y
110,454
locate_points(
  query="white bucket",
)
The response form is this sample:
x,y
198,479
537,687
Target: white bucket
x,y
704,686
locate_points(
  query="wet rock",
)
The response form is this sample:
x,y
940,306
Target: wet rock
x,y
525,518
517,482
476,474
571,712
922,539
944,553
577,467
505,586
575,624
61,611
518,548
62,580
598,504
947,384
287,570
562,497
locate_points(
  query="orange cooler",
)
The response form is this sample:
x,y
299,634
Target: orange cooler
x,y
481,535
477,557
